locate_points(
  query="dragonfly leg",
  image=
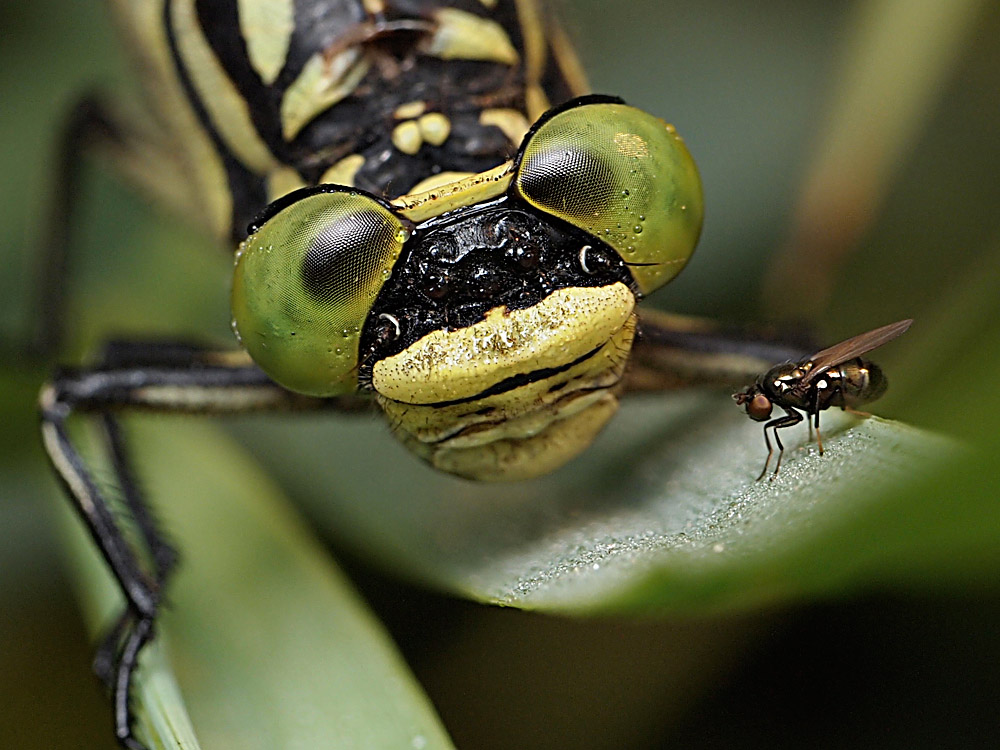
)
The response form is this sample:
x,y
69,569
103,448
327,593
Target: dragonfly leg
x,y
675,351
164,377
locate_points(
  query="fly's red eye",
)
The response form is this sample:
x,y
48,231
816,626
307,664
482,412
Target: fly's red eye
x,y
759,407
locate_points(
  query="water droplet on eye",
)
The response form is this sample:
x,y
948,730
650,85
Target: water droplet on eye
x,y
637,229
625,193
403,234
338,351
642,217
346,333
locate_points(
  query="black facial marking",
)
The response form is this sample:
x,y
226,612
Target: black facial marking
x,y
455,270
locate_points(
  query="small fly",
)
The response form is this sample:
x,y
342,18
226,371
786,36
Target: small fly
x,y
837,376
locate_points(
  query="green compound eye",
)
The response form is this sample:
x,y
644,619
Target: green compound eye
x,y
624,177
305,282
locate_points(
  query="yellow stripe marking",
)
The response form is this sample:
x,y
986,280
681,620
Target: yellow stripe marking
x,y
322,83
228,109
464,36
344,171
512,123
439,180
267,27
480,187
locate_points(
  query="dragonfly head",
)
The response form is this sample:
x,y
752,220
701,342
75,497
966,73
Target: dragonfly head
x,y
487,311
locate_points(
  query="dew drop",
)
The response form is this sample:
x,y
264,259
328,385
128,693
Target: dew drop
x,y
637,229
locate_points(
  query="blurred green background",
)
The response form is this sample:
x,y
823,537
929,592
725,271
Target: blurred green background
x,y
850,153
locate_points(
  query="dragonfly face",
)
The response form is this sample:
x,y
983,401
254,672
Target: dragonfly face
x,y
494,329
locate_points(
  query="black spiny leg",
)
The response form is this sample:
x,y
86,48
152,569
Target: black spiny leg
x,y
142,593
173,378
791,417
116,655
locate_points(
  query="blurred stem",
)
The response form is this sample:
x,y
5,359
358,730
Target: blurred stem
x,y
897,56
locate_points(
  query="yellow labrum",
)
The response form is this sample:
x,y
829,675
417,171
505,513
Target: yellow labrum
x,y
304,285
460,364
529,425
624,177
516,395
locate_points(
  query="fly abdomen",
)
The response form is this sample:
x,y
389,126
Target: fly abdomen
x,y
862,381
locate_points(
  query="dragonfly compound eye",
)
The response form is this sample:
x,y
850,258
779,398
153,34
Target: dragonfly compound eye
x,y
621,175
305,282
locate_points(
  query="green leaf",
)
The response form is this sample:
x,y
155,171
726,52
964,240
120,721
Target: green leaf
x,y
663,513
269,644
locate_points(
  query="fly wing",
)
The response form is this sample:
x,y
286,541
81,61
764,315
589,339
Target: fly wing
x,y
853,347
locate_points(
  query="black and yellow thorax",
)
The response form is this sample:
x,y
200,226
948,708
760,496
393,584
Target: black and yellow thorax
x,y
391,96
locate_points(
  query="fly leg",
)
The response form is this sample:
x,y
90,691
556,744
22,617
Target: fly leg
x,y
172,378
814,418
819,435
791,418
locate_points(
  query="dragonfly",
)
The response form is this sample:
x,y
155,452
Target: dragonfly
x,y
428,215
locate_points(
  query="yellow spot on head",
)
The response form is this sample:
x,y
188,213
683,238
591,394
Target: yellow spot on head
x,y
435,128
407,138
410,110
